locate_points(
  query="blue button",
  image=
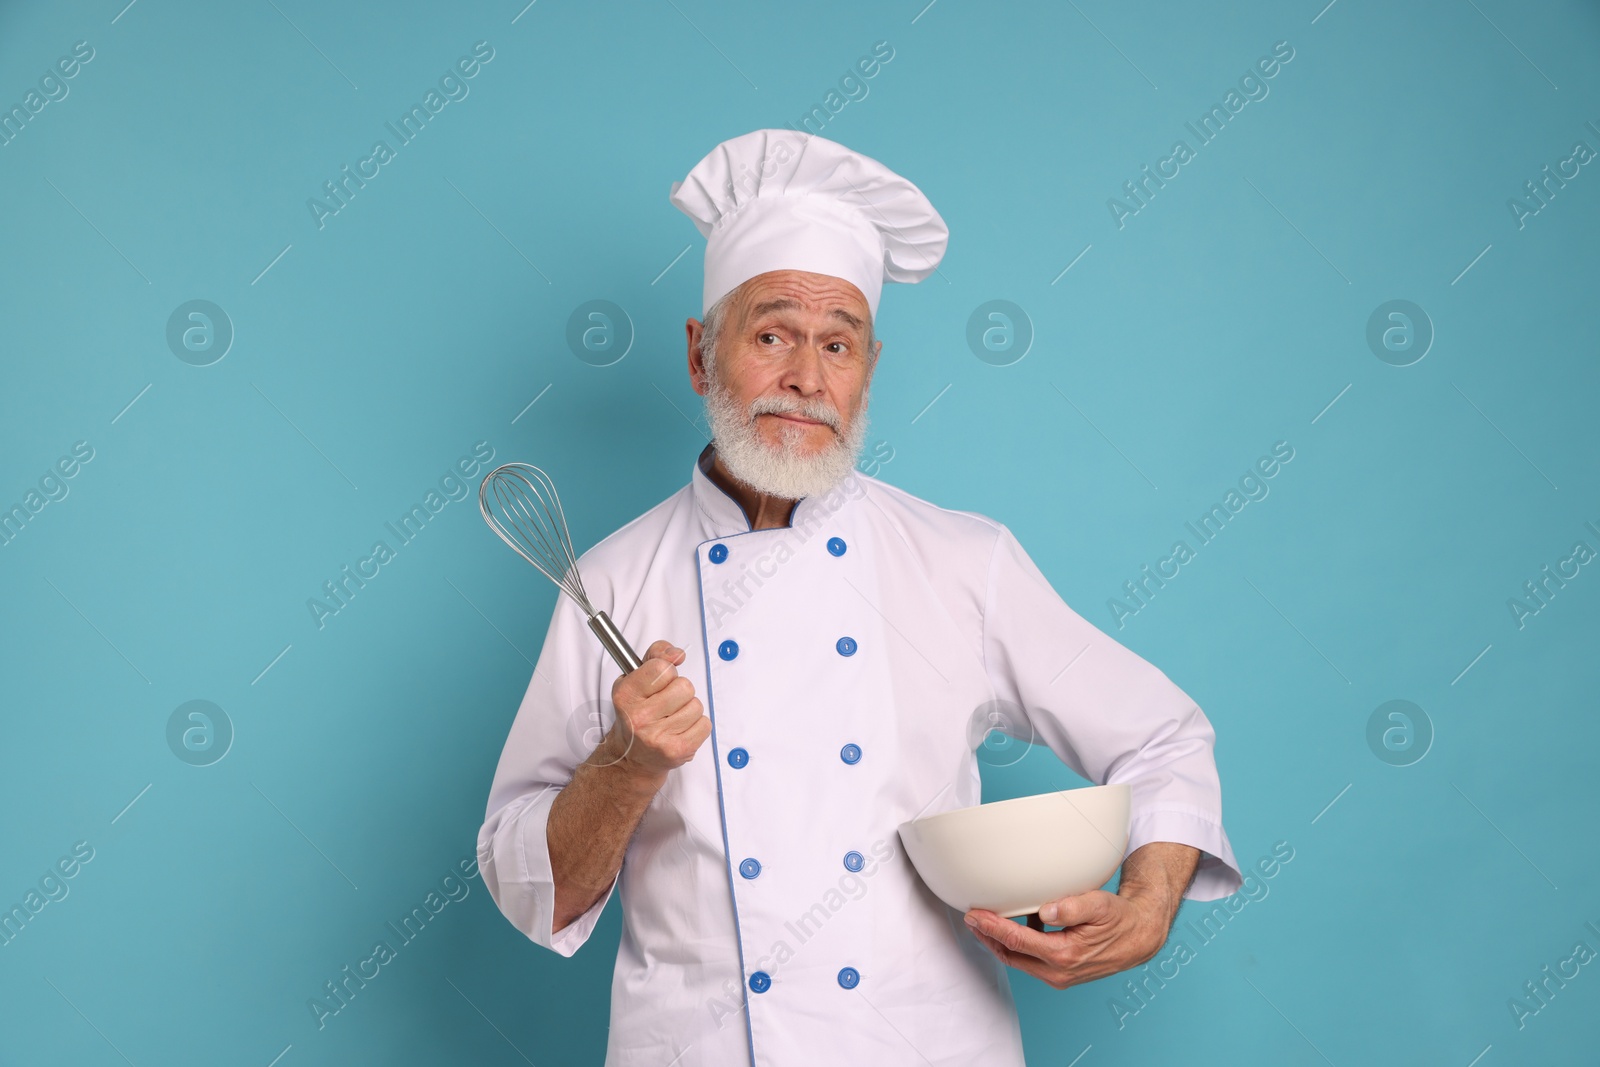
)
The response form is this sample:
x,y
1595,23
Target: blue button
x,y
836,545
760,981
850,753
849,977
749,867
854,861
718,553
846,646
728,649
738,757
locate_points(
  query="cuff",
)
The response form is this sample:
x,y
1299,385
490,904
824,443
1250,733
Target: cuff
x,y
523,885
1218,874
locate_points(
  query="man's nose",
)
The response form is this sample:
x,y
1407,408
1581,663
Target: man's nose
x,y
804,371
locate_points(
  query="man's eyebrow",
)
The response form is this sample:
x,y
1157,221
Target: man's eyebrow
x,y
841,313
785,303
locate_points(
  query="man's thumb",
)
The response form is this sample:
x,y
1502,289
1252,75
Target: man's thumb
x,y
1068,911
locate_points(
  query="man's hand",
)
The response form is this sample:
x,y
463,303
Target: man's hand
x,y
659,726
1103,932
660,722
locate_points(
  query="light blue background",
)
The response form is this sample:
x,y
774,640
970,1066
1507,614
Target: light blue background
x,y
1228,314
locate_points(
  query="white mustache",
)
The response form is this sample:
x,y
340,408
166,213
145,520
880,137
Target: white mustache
x,y
816,410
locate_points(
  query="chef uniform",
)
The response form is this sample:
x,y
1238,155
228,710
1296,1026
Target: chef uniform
x,y
851,664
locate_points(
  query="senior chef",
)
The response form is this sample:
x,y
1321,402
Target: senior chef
x,y
842,644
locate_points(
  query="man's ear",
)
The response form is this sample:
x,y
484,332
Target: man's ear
x,y
693,330
872,361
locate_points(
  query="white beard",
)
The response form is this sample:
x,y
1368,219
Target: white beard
x,y
782,472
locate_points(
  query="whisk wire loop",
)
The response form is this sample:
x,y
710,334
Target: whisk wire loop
x,y
520,504
527,515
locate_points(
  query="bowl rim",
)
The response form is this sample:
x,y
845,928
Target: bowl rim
x,y
1032,797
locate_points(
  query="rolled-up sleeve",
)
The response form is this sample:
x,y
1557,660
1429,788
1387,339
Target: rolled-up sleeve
x,y
553,731
1110,715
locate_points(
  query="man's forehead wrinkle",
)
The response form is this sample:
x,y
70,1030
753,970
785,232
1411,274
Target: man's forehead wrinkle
x,y
782,303
786,303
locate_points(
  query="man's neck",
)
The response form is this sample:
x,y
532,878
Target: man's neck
x,y
762,511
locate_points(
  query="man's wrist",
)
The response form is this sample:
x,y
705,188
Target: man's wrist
x,y
626,776
1157,902
1155,877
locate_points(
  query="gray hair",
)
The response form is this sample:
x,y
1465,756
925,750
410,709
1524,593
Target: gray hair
x,y
716,317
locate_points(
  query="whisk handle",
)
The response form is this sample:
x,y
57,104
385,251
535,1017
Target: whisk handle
x,y
615,643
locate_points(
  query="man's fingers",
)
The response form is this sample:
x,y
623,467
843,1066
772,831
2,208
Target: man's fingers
x,y
668,653
1035,953
662,713
664,650
993,946
1019,960
699,731
685,718
657,670
989,925
1015,937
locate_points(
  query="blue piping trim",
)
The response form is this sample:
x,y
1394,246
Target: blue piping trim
x,y
716,755
722,810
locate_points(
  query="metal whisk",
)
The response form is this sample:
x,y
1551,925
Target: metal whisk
x,y
519,502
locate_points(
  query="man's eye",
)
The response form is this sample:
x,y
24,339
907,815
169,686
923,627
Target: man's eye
x,y
836,344
762,337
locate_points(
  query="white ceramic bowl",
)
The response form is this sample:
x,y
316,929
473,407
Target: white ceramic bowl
x,y
1013,856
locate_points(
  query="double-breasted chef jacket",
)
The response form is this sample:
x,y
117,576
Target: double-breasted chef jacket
x,y
770,915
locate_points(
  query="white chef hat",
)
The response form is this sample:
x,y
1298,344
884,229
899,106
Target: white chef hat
x,y
787,200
